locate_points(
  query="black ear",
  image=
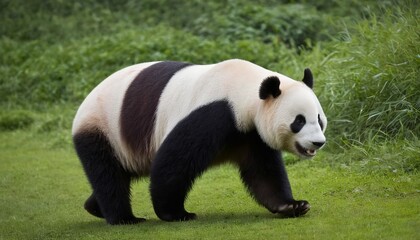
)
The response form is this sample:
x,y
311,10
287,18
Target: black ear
x,y
270,86
308,79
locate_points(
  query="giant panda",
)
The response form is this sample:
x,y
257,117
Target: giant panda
x,y
174,120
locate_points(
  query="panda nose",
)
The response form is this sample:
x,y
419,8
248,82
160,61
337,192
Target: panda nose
x,y
318,144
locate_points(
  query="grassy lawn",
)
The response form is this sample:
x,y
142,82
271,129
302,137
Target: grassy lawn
x,y
43,189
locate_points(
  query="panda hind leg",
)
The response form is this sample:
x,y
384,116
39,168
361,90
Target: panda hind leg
x,y
110,182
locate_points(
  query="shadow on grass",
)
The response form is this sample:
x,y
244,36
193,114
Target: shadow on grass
x,y
206,220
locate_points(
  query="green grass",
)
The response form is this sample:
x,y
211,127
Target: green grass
x,y
43,189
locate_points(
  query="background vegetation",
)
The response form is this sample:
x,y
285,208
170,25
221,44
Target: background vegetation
x,y
365,56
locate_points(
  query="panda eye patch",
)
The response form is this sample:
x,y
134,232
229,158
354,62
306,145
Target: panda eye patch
x,y
320,123
298,123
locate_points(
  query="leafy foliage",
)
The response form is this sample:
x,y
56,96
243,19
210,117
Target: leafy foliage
x,y
18,119
371,83
365,57
231,20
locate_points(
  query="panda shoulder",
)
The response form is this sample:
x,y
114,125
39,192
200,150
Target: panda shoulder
x,y
239,67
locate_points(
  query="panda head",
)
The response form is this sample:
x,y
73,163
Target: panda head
x,y
290,117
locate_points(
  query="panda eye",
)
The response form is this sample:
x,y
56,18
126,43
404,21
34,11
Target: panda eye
x,y
320,123
300,119
298,123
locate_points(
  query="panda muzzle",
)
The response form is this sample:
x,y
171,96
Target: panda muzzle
x,y
304,151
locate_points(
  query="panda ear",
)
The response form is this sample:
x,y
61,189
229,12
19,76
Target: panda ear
x,y
308,78
270,87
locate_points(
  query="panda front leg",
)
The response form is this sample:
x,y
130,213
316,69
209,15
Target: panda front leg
x,y
264,174
185,154
171,179
173,172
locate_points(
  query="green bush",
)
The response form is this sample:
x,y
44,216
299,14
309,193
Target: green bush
x,y
55,52
16,119
66,73
371,84
292,24
53,21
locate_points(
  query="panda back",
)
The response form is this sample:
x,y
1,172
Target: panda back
x,y
236,81
138,106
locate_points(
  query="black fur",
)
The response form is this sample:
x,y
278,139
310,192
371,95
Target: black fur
x,y
192,147
308,78
270,87
265,176
185,154
140,102
298,123
320,123
110,182
204,136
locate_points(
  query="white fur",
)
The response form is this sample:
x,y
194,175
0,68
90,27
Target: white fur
x,y
235,80
239,82
275,116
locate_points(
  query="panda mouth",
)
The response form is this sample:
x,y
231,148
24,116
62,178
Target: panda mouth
x,y
305,152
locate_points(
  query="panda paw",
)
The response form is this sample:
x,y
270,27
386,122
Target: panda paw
x,y
186,216
92,207
294,209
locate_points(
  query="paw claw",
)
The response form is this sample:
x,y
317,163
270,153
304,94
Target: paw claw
x,y
295,209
